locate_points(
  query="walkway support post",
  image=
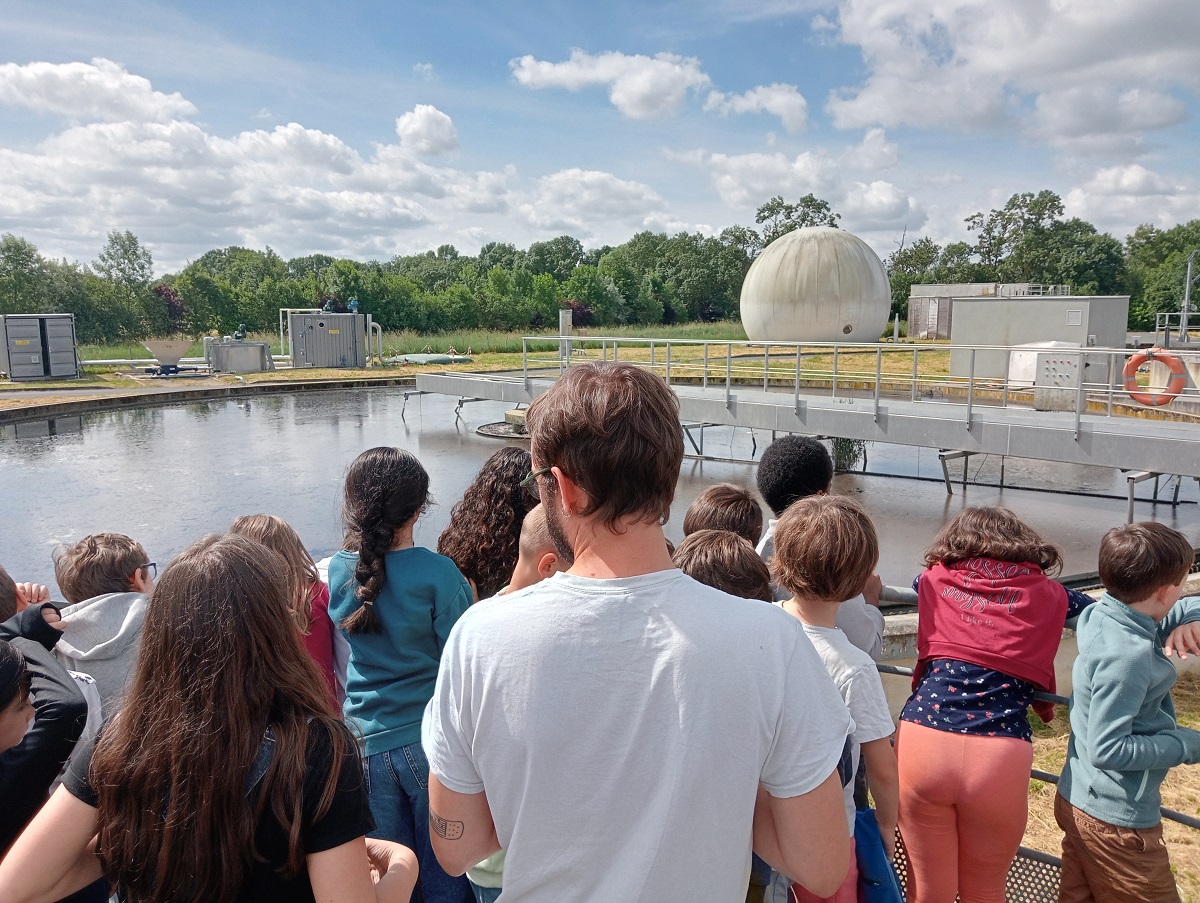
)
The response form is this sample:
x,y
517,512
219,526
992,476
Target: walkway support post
x,y
1134,477
971,390
728,375
878,378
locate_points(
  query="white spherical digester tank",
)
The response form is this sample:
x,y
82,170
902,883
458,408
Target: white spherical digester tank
x,y
816,284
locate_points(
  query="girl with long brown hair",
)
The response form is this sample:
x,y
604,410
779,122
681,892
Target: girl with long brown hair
x,y
226,775
309,595
989,620
395,603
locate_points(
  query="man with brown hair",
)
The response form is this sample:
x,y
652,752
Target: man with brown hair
x,y
106,577
612,727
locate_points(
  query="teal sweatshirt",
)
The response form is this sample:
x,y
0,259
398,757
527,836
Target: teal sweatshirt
x,y
1124,736
391,674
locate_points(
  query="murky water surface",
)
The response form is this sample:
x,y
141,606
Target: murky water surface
x,y
167,476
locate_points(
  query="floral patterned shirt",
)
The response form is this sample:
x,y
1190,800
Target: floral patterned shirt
x,y
963,698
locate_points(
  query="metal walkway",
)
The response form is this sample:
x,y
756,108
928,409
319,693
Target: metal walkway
x,y
773,389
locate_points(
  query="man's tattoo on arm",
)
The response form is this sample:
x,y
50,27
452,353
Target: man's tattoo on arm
x,y
448,830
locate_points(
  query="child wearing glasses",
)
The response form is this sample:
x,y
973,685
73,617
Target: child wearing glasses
x,y
105,578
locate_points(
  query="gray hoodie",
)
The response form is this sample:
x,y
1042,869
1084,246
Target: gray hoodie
x,y
101,639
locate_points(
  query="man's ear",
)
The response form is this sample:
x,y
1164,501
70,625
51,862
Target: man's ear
x,y
571,495
547,565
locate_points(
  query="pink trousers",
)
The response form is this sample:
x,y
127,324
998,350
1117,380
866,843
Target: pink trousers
x,y
964,801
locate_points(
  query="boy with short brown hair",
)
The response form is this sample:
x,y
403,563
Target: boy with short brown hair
x,y
726,561
725,507
1124,736
107,577
825,549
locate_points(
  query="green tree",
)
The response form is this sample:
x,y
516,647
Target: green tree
x,y
558,257
209,301
778,217
909,266
22,276
1007,236
66,289
127,269
590,288
497,254
1157,270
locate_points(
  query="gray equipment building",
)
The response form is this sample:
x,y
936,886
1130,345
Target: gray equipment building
x,y
38,346
931,307
1083,321
328,340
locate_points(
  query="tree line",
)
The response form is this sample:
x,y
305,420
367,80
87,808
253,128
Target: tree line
x,y
653,278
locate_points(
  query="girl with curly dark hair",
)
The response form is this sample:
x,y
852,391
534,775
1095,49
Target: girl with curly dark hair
x,y
396,603
485,527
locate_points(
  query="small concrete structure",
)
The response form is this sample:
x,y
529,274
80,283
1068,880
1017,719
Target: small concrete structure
x,y
1081,320
817,284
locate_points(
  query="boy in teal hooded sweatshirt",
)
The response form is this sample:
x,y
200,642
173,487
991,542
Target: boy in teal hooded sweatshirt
x,y
1124,736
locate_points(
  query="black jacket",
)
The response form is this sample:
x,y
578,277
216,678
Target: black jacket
x,y
28,770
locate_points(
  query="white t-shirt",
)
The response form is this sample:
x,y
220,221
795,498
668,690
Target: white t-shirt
x,y
862,623
857,679
621,729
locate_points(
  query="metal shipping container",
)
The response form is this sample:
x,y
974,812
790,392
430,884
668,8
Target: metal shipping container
x,y
328,340
38,346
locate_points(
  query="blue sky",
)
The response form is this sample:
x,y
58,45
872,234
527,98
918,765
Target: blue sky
x,y
371,129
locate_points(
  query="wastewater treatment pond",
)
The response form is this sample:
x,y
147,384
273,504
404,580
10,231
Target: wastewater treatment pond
x,y
168,475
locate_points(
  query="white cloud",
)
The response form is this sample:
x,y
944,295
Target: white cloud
x,y
185,190
641,87
99,90
844,178
784,101
423,71
873,154
427,130
587,201
1076,72
1116,198
878,206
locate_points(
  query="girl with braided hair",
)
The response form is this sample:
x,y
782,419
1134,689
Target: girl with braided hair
x,y
395,603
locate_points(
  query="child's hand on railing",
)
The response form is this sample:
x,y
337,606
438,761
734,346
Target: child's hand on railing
x,y
1183,639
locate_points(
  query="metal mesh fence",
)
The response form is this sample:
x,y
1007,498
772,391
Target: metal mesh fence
x,y
1033,877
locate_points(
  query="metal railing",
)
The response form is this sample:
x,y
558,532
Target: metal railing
x,y
1176,328
962,377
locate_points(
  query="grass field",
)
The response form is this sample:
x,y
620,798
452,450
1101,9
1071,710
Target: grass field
x,y
480,341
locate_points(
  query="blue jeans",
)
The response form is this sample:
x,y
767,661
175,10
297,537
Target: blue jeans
x,y
485,894
398,787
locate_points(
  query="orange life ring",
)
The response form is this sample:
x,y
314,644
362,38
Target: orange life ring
x,y
1175,382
